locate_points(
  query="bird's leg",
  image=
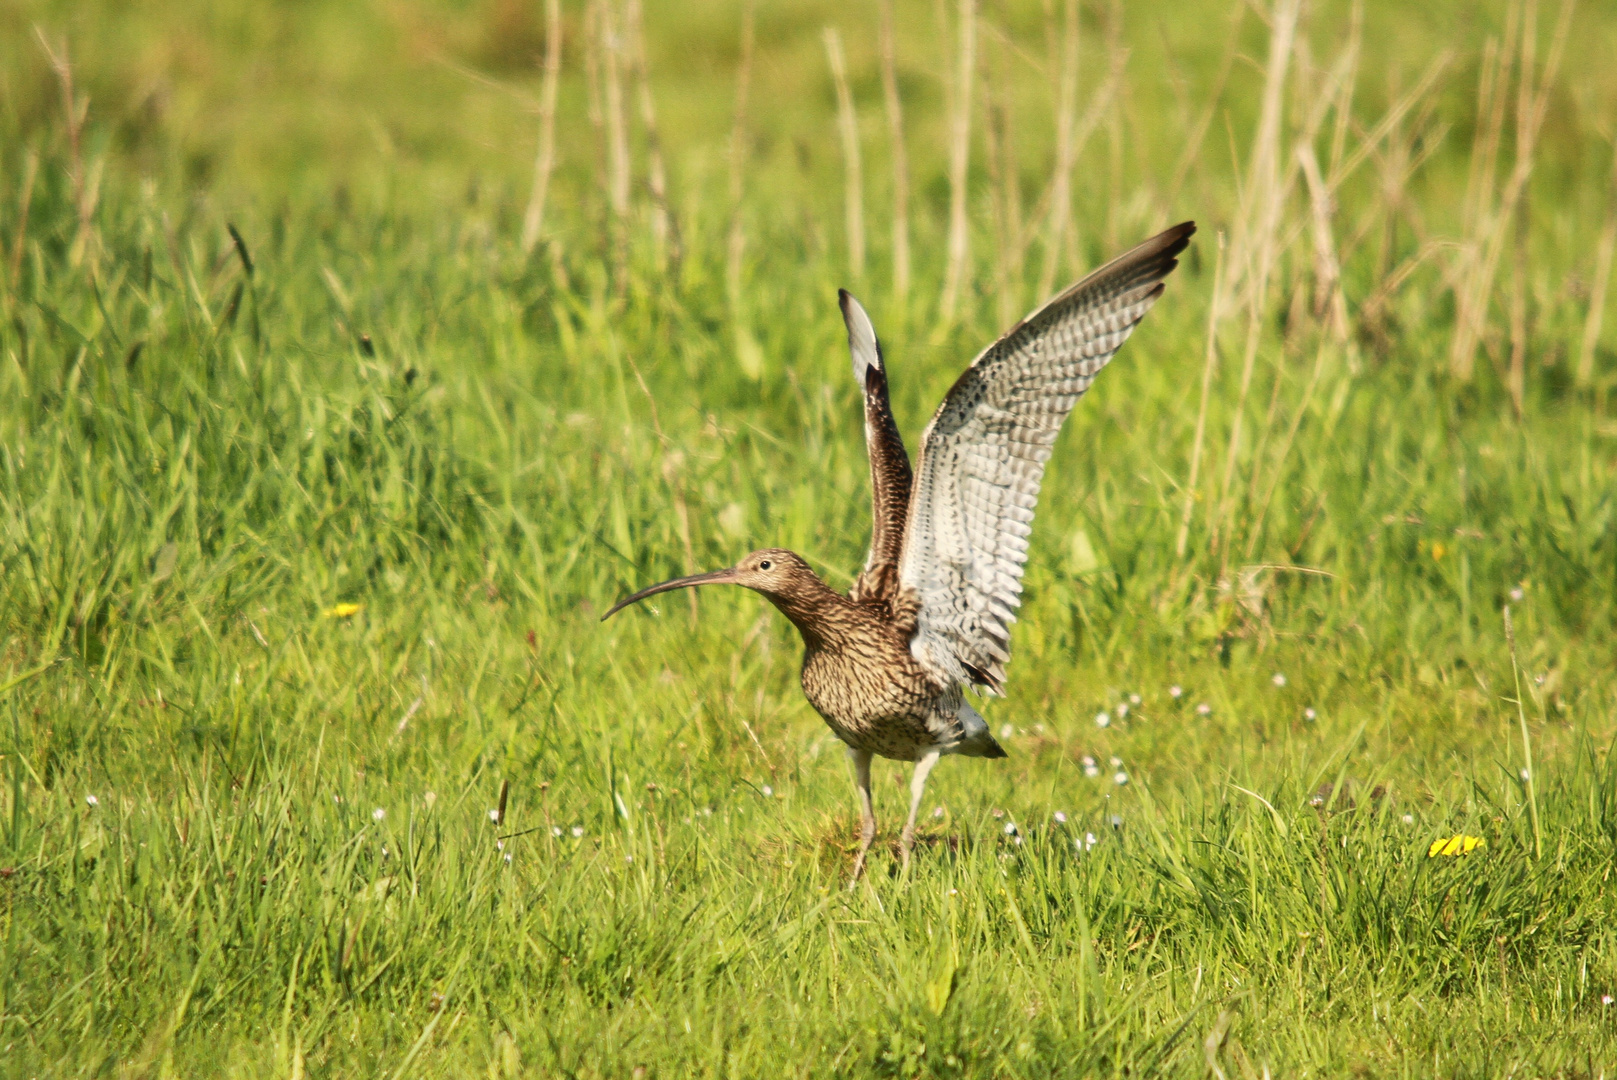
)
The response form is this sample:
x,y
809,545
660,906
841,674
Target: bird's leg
x,y
917,788
860,760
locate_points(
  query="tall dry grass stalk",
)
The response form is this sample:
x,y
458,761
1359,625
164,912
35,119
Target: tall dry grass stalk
x,y
1209,365
959,159
1602,281
748,353
545,161
25,200
901,163
853,172
618,184
1257,228
1004,180
1115,129
1066,152
664,230
86,182
1191,153
1330,305
1252,243
1490,217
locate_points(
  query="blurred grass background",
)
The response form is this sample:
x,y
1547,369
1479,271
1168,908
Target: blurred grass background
x,y
241,834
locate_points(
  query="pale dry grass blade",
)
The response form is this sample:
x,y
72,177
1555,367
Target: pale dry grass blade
x,y
1486,245
1209,365
901,167
853,172
664,230
1191,154
76,109
1330,306
1259,222
737,240
1252,247
545,161
25,198
617,139
1597,290
959,159
1066,151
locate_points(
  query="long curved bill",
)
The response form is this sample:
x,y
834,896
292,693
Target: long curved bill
x,y
715,577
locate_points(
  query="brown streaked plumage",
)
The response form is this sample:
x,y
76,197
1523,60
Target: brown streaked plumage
x,y
930,614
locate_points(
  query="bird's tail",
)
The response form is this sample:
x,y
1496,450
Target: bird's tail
x,y
976,740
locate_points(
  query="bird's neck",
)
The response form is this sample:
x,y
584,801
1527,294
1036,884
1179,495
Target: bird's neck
x,y
820,614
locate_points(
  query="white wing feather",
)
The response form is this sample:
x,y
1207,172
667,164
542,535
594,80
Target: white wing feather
x,y
983,455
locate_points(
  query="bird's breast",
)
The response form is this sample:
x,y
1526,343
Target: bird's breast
x,y
873,695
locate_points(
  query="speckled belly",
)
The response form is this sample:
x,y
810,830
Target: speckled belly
x,y
875,708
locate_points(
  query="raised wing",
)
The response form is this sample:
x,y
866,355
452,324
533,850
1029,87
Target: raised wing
x,y
889,463
983,455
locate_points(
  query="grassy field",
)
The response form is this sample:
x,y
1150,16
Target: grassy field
x,y
315,480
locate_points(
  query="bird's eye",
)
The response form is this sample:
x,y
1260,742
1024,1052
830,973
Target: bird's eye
x,y
764,565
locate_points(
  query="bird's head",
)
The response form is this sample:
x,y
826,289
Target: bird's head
x,y
777,573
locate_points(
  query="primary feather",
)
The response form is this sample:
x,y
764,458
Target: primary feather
x,y
982,461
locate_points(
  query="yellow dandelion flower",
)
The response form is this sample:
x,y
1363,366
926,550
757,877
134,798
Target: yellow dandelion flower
x,y
1458,844
1438,551
342,611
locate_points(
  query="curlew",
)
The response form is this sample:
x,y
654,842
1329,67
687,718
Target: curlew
x,y
929,616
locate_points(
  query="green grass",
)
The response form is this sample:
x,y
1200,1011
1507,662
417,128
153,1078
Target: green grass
x,y
289,866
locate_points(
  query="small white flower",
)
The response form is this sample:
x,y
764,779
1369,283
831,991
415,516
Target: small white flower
x,y
628,858
1317,800
768,790
494,816
384,852
1409,819
1176,691
1122,709
1204,709
499,845
1120,778
1310,714
1117,762
1278,679
91,800
954,892
555,830
1061,817
429,798
508,858
578,830
1606,999
707,811
1116,821
1134,699
1091,769
997,812
937,811
1006,731
1010,828
1103,719
1038,729
1524,774
1017,840
378,814
1086,841
1516,594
